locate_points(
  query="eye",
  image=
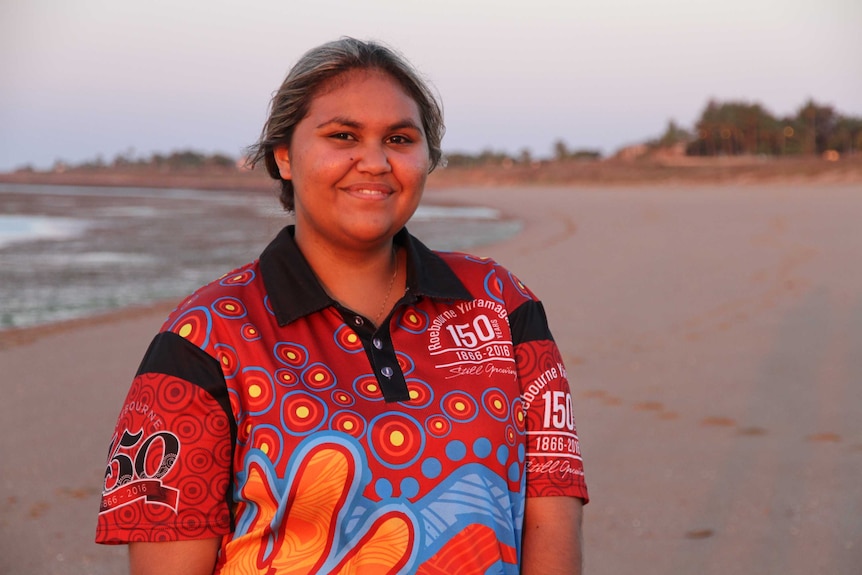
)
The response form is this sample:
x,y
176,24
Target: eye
x,y
400,139
346,136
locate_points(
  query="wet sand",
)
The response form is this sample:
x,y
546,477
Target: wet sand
x,y
713,337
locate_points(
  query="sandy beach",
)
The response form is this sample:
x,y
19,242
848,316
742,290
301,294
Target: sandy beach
x,y
713,338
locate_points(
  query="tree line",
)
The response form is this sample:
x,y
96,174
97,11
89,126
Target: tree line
x,y
741,128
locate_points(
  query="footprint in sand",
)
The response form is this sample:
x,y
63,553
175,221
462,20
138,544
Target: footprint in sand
x,y
658,408
752,431
824,438
602,395
717,421
79,493
699,534
38,509
649,406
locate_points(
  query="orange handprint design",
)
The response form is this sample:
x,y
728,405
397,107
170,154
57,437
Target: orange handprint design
x,y
293,530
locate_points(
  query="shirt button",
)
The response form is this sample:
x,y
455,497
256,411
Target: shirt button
x,y
387,371
377,343
357,320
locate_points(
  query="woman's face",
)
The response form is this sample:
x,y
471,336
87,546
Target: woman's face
x,y
358,162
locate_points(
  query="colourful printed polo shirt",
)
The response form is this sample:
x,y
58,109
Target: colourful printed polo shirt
x,y
312,442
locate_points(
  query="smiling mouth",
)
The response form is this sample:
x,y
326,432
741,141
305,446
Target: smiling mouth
x,y
371,193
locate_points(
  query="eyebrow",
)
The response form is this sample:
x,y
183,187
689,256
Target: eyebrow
x,y
345,121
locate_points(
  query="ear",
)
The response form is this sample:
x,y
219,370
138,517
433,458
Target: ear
x,y
282,160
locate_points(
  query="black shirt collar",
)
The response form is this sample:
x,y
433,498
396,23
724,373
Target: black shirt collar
x,y
294,291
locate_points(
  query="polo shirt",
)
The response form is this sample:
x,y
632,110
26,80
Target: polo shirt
x,y
311,441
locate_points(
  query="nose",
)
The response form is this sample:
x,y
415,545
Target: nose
x,y
373,159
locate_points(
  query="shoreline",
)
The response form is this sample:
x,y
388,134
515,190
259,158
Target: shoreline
x,y
605,173
18,336
436,228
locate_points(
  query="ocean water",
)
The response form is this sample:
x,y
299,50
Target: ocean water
x,y
69,251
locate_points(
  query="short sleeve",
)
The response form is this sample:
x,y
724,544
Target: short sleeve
x,y
553,457
168,472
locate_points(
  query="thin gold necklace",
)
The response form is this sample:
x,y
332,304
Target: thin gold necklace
x,y
379,315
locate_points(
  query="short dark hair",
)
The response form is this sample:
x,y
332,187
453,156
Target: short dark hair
x,y
317,67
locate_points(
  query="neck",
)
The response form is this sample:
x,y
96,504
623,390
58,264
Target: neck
x,y
368,282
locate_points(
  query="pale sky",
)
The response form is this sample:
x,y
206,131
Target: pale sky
x,y
82,78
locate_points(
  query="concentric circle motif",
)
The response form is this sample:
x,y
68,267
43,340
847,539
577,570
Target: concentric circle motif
x,y
438,426
348,422
199,460
286,377
518,416
242,278
396,440
493,286
188,428
229,308
367,388
268,440
291,354
195,325
216,423
342,398
258,393
195,489
318,377
173,395
420,392
511,436
459,406
193,522
131,514
227,358
405,362
347,340
496,404
522,289
302,413
249,332
413,320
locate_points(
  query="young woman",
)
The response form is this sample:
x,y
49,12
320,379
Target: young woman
x,y
351,402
